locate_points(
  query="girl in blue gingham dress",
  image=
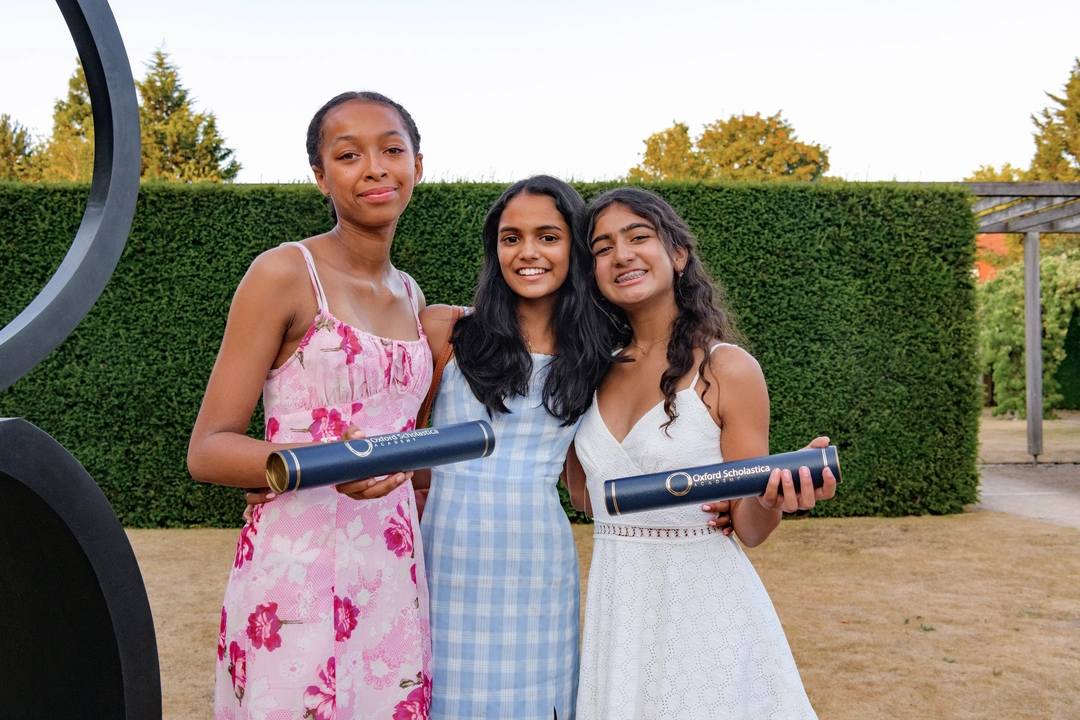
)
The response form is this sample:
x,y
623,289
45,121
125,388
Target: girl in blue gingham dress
x,y
501,561
503,573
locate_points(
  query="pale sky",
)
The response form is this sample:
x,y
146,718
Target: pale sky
x,y
919,90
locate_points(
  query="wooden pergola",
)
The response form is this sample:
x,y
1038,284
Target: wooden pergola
x,y
1032,209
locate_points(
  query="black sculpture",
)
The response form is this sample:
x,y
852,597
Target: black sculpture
x,y
73,290
77,637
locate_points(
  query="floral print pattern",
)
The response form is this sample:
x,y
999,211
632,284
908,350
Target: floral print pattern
x,y
326,611
320,699
327,424
221,638
399,536
344,618
263,626
237,669
416,706
244,546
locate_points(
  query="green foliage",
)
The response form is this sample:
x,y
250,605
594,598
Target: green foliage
x,y
177,142
989,173
1001,330
670,155
1057,136
1057,141
17,151
743,148
1068,372
858,301
68,154
568,507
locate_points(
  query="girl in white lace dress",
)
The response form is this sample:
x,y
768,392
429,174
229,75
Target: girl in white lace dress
x,y
677,623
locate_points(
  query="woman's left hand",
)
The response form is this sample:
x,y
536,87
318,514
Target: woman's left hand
x,y
722,508
780,493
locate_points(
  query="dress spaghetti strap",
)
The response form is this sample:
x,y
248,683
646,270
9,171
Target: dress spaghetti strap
x,y
697,375
320,295
415,302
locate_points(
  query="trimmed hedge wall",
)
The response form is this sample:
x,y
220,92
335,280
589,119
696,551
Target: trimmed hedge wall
x,y
858,301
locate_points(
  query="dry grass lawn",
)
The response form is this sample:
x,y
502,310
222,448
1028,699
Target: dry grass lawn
x,y
969,616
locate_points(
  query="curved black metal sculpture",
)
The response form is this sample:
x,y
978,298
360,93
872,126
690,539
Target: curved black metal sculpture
x,y
73,290
77,637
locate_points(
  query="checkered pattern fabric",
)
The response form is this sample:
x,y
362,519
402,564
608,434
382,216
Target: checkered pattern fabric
x,y
502,565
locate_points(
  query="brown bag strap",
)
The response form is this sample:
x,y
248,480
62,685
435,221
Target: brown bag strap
x,y
424,416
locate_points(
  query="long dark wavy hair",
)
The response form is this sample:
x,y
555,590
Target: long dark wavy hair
x,y
488,343
703,318
315,127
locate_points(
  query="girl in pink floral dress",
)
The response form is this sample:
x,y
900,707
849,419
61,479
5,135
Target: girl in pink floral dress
x,y
326,610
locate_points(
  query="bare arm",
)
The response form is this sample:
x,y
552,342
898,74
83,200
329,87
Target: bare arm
x,y
741,402
436,323
575,481
268,306
435,319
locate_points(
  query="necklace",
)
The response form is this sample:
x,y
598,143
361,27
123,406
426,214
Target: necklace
x,y
654,342
529,344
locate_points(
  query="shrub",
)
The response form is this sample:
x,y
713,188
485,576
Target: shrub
x,y
1001,331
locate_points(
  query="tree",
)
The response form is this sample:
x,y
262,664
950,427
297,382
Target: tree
x,y
18,152
1057,138
1056,159
669,155
177,142
989,173
69,153
743,148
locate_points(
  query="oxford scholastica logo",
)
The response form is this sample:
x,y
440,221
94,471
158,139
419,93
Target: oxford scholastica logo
x,y
678,477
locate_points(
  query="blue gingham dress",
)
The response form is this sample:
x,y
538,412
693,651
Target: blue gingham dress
x,y
502,565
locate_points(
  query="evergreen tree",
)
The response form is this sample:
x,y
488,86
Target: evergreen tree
x,y
69,154
741,148
1057,138
18,154
1057,159
178,143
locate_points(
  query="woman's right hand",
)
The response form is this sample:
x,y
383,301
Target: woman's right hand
x,y
366,489
254,497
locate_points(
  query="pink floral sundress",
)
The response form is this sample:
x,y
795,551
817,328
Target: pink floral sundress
x,y
326,610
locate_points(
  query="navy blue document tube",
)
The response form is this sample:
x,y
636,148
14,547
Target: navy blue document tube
x,y
338,462
711,483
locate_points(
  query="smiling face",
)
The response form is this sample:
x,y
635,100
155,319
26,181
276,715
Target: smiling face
x,y
633,265
368,168
533,246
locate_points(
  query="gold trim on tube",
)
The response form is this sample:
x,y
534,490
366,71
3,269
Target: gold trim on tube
x,y
839,472
614,502
297,470
484,429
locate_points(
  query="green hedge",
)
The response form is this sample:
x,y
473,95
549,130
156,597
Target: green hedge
x,y
858,301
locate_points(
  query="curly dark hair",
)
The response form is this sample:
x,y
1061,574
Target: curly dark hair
x,y
315,127
704,317
488,344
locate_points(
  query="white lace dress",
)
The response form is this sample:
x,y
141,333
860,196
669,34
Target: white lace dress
x,y
677,622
